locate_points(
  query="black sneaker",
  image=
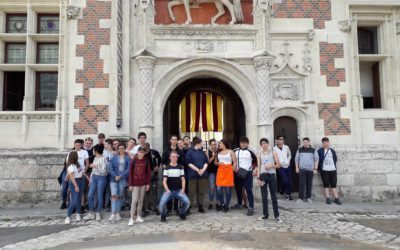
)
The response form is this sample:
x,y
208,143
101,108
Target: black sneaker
x,y
328,201
237,207
156,211
183,216
250,212
337,201
201,209
177,212
226,209
289,197
245,206
210,207
263,218
218,207
145,213
188,212
163,219
63,206
169,212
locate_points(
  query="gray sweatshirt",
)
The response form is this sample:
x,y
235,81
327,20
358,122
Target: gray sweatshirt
x,y
306,158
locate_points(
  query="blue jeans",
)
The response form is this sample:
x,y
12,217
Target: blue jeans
x,y
247,183
117,189
75,202
286,176
64,187
107,192
211,186
98,184
175,194
228,195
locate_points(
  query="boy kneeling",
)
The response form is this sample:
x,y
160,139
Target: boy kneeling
x,y
174,185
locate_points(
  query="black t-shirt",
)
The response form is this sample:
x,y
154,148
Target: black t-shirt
x,y
167,151
212,168
174,175
91,159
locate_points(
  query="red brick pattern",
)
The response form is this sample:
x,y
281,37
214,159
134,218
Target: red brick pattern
x,y
319,10
385,124
328,53
92,75
333,123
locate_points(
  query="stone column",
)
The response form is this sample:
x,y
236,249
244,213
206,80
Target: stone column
x,y
146,66
263,62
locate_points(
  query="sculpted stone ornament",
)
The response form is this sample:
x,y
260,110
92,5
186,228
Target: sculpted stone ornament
x,y
235,9
345,25
72,12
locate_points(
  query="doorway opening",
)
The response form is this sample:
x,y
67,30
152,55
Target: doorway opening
x,y
287,126
203,92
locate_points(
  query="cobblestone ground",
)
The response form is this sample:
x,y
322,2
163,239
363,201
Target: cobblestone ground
x,y
338,225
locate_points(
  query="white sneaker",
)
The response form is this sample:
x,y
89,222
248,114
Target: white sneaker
x,y
309,200
139,219
98,216
112,217
118,217
78,218
68,220
89,216
277,220
130,222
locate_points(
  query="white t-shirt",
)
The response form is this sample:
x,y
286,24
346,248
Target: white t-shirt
x,y
244,158
82,156
74,169
108,154
329,164
284,155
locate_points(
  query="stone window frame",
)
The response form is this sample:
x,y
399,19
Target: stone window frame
x,y
384,18
32,38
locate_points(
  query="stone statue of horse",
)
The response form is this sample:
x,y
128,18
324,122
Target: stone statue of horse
x,y
235,9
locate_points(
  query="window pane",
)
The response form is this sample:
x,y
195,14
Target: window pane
x,y
16,53
13,91
16,24
48,24
367,40
48,53
47,90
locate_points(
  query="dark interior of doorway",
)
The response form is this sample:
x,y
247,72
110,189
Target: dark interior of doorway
x,y
287,126
236,116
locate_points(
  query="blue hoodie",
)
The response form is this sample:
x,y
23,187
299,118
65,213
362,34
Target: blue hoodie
x,y
198,158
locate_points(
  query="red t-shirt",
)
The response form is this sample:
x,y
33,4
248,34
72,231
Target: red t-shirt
x,y
140,172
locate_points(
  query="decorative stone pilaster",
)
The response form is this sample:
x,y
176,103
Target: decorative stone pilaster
x,y
263,62
146,62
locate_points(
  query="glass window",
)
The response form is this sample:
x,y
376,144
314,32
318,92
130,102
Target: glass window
x,y
15,53
47,53
16,23
46,91
48,23
367,40
13,91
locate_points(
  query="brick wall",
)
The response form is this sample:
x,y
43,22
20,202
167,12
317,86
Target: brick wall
x,y
385,124
92,75
333,123
328,53
319,10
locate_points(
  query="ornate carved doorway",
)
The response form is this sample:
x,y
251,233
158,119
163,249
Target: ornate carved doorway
x,y
233,115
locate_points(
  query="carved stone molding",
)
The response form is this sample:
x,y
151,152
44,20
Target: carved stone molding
x,y
204,32
146,65
398,27
72,12
345,25
307,60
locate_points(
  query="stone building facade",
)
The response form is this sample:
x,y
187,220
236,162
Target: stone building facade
x,y
71,69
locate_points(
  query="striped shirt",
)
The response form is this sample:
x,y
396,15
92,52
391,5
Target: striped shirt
x,y
174,175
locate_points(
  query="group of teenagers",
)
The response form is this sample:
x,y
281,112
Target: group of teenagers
x,y
110,172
